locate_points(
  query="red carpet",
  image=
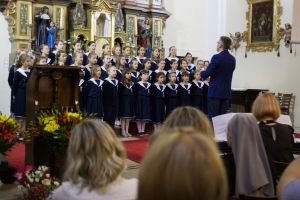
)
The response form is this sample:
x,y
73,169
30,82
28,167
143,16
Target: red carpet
x,y
137,148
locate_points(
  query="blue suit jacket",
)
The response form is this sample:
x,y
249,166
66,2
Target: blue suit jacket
x,y
220,71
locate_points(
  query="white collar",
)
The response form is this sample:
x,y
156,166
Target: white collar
x,y
154,61
115,84
170,58
119,71
139,59
157,86
48,60
88,68
22,71
135,76
191,66
183,85
142,84
197,83
103,68
170,86
156,71
94,81
150,72
126,85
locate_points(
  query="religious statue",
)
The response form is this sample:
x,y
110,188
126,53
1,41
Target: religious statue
x,y
236,39
145,35
43,21
287,34
78,16
119,19
51,35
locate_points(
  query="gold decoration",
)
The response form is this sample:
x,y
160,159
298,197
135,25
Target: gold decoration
x,y
263,25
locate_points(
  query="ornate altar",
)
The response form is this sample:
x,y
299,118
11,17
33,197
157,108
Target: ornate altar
x,y
116,22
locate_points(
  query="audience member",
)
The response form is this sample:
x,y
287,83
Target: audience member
x,y
95,159
289,184
278,138
182,164
253,174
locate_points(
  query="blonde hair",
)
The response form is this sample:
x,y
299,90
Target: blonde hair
x,y
266,106
94,69
182,164
189,116
95,155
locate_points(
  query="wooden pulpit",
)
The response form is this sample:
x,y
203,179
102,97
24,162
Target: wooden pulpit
x,y
49,87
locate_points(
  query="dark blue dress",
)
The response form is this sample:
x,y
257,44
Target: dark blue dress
x,y
191,68
154,65
158,103
168,60
126,101
69,59
184,94
19,92
196,95
93,97
104,74
127,63
171,98
152,77
119,75
135,76
10,83
110,100
204,98
142,96
140,63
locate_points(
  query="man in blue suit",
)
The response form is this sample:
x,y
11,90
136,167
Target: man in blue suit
x,y
220,71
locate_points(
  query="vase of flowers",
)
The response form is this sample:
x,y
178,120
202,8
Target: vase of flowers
x,y
36,184
9,134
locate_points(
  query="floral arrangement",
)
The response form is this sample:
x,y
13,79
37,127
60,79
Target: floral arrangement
x,y
9,133
36,184
55,127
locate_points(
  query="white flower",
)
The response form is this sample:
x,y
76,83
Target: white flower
x,y
56,183
48,175
37,180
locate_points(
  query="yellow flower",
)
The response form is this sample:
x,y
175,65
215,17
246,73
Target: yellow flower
x,y
46,182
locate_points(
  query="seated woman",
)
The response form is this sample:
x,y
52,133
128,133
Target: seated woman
x,y
278,138
182,164
189,116
95,160
253,174
289,184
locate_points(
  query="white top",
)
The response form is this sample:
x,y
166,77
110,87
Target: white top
x,y
125,190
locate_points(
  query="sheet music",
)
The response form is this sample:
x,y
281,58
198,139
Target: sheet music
x,y
220,124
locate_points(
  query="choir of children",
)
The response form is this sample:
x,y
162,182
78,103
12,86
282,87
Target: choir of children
x,y
125,87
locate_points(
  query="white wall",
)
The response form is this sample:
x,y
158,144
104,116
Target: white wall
x,y
265,70
196,25
4,66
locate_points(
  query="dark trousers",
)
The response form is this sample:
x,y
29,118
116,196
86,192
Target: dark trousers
x,y
217,107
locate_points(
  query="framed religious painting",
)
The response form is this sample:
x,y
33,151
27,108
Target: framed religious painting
x,y
263,25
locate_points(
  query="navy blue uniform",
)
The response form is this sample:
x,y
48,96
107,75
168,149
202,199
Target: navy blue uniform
x,y
184,94
19,92
152,77
142,95
110,100
126,99
119,75
135,76
140,62
191,68
104,73
154,65
158,103
69,59
171,97
168,60
196,95
127,63
204,97
10,83
93,97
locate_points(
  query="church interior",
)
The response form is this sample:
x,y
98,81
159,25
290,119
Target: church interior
x,y
265,40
